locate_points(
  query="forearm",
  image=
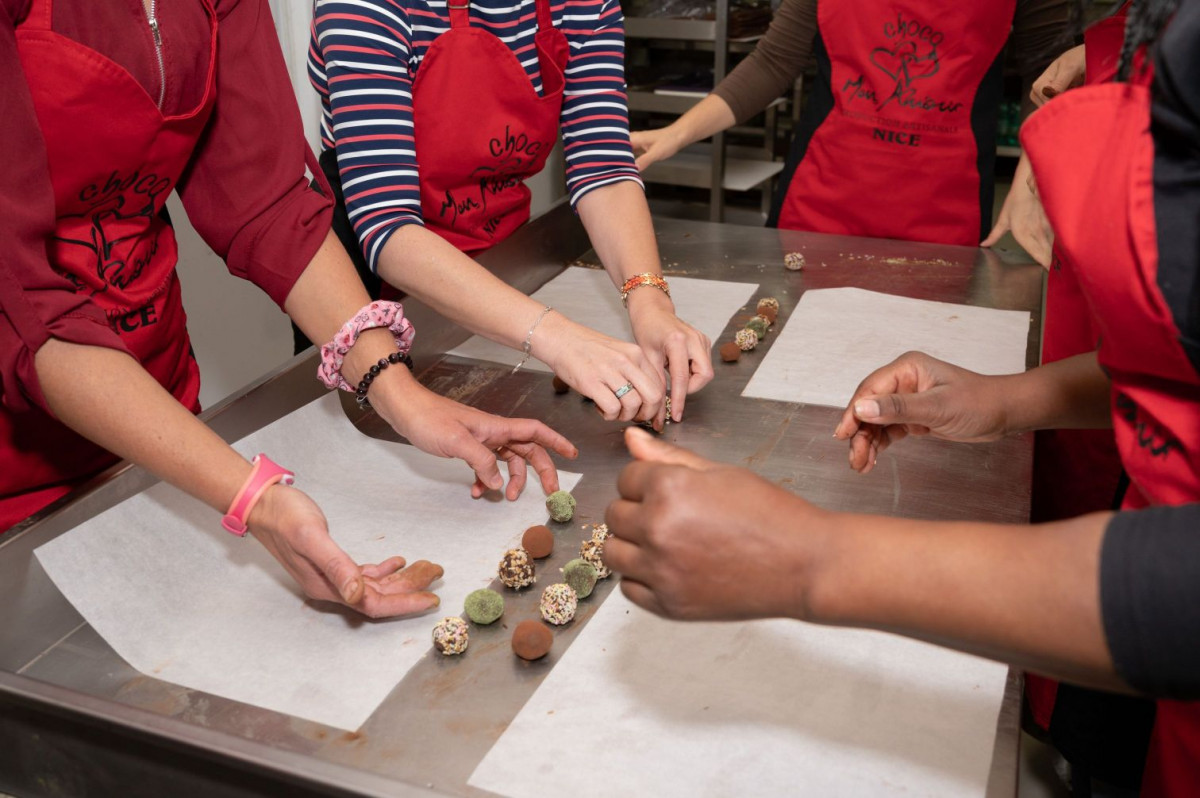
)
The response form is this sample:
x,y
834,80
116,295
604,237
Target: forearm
x,y
108,398
704,119
1068,394
1024,595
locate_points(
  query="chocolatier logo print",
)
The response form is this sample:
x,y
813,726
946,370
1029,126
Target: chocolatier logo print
x,y
907,55
113,228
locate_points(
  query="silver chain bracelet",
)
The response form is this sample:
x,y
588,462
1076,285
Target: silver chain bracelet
x,y
528,345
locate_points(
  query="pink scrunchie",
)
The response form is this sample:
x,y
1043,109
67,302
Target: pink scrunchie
x,y
376,314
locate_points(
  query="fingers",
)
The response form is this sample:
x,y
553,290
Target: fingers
x,y
342,572
516,474
631,482
900,408
528,430
376,604
644,160
480,458
543,466
679,367
647,448
998,231
642,596
417,576
384,569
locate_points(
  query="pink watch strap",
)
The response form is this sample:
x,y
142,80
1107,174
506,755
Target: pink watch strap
x,y
264,474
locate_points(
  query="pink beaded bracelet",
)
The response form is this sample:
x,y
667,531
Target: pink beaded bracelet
x,y
376,314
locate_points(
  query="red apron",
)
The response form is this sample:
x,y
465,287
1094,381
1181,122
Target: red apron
x,y
1156,390
1075,472
480,128
114,159
896,156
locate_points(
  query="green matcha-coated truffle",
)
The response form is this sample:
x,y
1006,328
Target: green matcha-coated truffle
x,y
561,505
484,606
581,576
758,325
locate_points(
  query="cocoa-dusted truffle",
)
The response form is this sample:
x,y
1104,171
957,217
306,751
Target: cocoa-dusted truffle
x,y
767,303
770,314
484,606
759,326
450,636
593,551
532,640
730,352
559,385
558,604
538,541
794,261
516,571
581,576
745,340
561,505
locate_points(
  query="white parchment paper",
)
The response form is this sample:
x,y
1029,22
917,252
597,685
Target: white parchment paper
x,y
837,336
184,601
642,706
587,296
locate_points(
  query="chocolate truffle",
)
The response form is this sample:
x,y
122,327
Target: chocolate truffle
x,y
767,302
770,314
794,261
581,576
538,541
532,640
484,606
759,326
450,636
516,571
558,604
745,340
730,352
559,385
593,551
561,505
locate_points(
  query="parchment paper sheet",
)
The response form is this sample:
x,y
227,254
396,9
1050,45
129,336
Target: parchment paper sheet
x,y
642,706
587,296
184,601
837,336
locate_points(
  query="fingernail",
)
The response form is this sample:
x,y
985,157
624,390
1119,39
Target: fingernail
x,y
867,408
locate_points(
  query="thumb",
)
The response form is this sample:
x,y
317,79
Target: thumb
x,y
1057,81
899,408
997,232
644,446
341,571
481,460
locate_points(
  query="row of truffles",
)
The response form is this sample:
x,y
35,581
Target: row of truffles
x,y
755,330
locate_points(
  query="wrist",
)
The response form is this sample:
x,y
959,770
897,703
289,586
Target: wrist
x,y
821,553
648,300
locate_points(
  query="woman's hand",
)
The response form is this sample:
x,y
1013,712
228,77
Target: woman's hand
x,y
598,366
920,395
1065,72
697,540
671,345
295,531
1023,214
652,146
445,428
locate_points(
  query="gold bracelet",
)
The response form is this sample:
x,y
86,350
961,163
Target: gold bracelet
x,y
638,280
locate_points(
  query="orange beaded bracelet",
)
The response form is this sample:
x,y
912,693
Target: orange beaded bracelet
x,y
645,278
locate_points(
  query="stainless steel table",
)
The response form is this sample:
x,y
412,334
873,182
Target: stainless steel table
x,y
75,719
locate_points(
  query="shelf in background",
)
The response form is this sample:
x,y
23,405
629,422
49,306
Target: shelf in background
x,y
1008,151
693,168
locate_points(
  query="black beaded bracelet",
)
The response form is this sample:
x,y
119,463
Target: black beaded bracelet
x,y
360,393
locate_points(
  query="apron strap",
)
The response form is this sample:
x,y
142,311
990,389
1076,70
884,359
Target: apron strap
x,y
545,20
39,15
460,13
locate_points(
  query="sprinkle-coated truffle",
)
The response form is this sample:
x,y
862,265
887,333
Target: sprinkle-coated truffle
x,y
730,352
759,326
538,541
745,340
767,302
794,261
593,551
516,571
484,606
600,532
532,640
561,505
450,636
581,576
558,604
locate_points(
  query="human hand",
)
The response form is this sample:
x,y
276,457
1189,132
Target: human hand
x,y
294,530
919,395
698,540
445,428
597,366
671,344
1023,214
652,146
1065,72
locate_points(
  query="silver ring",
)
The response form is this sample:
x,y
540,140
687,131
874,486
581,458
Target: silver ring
x,y
624,389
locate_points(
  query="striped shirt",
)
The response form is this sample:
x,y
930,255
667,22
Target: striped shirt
x,y
365,54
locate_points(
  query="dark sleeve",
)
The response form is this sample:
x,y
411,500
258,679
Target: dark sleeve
x,y
245,190
1040,34
1150,599
35,303
777,60
1175,125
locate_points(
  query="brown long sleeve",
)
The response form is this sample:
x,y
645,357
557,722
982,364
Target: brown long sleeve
x,y
782,53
